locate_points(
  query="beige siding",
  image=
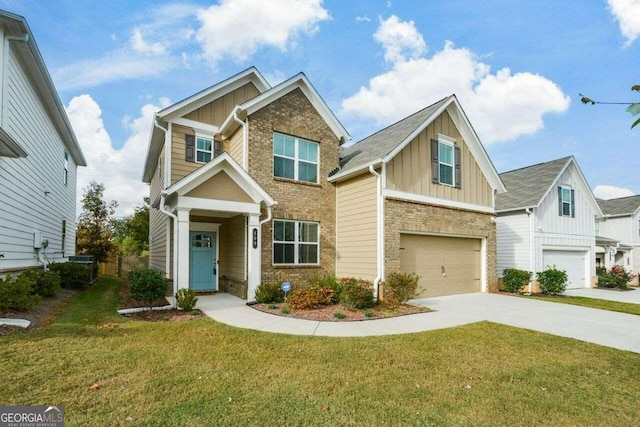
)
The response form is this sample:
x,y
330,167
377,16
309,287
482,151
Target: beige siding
x,y
215,112
236,146
410,170
179,166
232,247
356,227
220,187
157,221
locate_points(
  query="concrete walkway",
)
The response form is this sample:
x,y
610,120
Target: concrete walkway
x,y
617,330
632,297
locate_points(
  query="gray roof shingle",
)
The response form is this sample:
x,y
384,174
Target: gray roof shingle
x,y
620,206
527,186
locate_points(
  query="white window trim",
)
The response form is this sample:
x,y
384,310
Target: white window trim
x,y
566,187
206,137
296,242
445,140
66,169
297,159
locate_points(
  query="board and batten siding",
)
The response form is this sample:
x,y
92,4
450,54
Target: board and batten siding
x,y
236,146
410,170
356,227
33,195
157,221
215,112
233,237
513,242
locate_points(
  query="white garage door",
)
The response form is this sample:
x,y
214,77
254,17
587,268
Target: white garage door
x,y
573,262
446,265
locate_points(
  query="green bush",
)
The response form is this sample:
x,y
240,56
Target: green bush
x,y
72,275
269,292
514,280
306,298
356,294
147,285
400,288
17,294
186,299
552,281
328,280
617,277
339,315
47,283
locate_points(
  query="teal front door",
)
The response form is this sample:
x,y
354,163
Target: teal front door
x,y
203,265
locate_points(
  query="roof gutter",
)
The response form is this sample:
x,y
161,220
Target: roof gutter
x,y
379,234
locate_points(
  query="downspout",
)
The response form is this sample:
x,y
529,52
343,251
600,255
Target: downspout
x,y
532,247
379,234
245,140
164,210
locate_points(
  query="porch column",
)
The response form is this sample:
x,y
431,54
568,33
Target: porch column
x,y
183,248
254,252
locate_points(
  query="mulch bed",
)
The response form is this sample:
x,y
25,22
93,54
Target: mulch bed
x,y
326,313
127,302
172,315
41,314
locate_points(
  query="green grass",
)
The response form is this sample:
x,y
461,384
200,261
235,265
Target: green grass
x,y
205,373
622,307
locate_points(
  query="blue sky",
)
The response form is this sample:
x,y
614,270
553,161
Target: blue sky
x,y
516,66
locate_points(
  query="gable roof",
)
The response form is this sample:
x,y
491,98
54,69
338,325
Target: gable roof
x,y
621,206
299,81
528,186
385,144
16,25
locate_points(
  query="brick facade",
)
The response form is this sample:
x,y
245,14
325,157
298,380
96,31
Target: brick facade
x,y
405,216
294,115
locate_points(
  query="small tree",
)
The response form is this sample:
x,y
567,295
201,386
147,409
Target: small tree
x,y
131,233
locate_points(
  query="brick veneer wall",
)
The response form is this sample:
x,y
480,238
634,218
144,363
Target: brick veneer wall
x,y
405,216
294,115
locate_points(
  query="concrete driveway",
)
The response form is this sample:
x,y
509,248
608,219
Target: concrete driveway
x,y
632,296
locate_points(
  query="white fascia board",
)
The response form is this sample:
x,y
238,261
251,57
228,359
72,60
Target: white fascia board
x,y
217,205
436,201
198,126
522,208
155,146
587,189
351,173
555,182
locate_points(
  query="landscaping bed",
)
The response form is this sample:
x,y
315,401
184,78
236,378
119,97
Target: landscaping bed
x,y
173,315
328,313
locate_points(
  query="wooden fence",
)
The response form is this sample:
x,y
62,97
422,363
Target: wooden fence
x,y
123,264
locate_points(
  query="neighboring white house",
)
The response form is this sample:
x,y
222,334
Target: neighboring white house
x,y
39,155
619,233
547,218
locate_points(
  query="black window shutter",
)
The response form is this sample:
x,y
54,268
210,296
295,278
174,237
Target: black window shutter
x,y
573,204
190,148
560,201
217,148
456,159
435,168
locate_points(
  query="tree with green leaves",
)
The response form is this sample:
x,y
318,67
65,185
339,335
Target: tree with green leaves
x,y
132,232
95,231
633,107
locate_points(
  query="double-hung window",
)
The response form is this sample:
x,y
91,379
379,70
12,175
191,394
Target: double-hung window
x,y
204,149
296,242
295,158
66,168
445,163
566,202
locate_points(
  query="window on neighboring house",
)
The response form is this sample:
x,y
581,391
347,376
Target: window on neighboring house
x,y
295,158
566,202
66,168
296,242
597,228
64,235
445,161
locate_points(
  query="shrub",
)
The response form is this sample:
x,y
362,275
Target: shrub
x,y
328,280
369,314
46,283
356,294
285,310
617,277
186,299
515,279
269,292
339,315
147,285
552,281
310,297
17,294
72,275
400,288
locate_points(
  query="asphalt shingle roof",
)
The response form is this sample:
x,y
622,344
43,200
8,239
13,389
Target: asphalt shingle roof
x,y
527,186
621,206
383,142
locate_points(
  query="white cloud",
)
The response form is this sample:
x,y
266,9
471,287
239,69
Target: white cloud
x,y
400,39
140,45
238,28
501,106
610,192
627,13
120,170
364,18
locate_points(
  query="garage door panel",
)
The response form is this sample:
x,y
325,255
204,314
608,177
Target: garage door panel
x,y
431,256
573,262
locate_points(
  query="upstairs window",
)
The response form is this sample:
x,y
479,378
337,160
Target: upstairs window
x,y
201,149
566,202
445,162
204,150
295,158
296,242
65,178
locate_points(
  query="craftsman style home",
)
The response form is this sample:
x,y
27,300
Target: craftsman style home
x,y
252,183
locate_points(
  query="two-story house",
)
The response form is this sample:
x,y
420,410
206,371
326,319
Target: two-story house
x,y
249,184
546,219
39,156
619,233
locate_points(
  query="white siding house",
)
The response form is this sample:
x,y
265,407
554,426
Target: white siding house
x,y
39,155
547,219
619,232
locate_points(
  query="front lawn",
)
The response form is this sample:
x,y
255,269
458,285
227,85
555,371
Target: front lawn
x,y
204,373
622,307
